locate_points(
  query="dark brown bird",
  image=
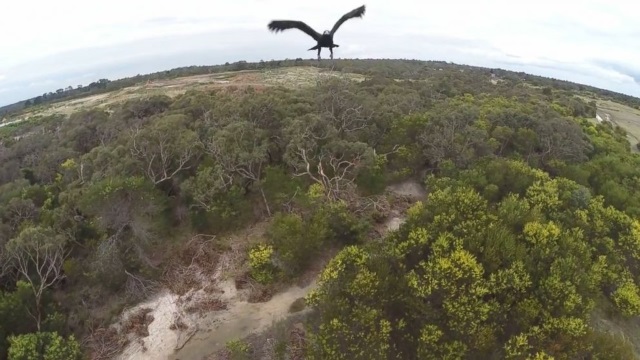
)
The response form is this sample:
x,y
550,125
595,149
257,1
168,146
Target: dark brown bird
x,y
324,40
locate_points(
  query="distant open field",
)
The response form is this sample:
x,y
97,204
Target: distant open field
x,y
625,116
297,76
628,118
290,77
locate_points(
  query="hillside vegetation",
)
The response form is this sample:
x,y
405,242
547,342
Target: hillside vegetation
x,y
526,247
401,69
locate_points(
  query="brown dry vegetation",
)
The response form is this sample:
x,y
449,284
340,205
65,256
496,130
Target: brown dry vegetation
x,y
288,77
106,343
193,263
205,305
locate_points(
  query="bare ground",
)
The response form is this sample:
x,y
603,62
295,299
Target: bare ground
x,y
241,319
626,117
410,188
408,191
197,296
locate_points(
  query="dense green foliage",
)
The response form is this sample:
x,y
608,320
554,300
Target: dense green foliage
x,y
45,346
473,278
530,223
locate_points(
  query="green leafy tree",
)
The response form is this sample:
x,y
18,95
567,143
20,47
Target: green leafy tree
x,y
44,346
14,314
38,254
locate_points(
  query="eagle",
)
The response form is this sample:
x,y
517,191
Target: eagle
x,y
326,38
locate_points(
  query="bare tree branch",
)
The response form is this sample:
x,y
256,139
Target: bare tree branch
x,y
137,287
38,254
163,152
335,170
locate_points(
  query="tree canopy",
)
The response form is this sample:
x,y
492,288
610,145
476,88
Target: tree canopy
x,y
530,225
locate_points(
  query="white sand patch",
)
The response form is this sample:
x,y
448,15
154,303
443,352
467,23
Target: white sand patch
x,y
413,191
161,340
394,223
209,332
410,188
206,331
240,320
11,122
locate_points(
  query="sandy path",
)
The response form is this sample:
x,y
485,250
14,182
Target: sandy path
x,y
161,340
209,333
240,320
409,188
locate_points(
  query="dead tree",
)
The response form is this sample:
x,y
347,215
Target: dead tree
x,y
137,287
335,170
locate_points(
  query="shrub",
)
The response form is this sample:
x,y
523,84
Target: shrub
x,y
261,265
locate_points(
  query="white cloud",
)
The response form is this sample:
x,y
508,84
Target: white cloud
x,y
592,41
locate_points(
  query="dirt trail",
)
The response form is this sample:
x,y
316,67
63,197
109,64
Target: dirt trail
x,y
410,189
161,340
241,319
208,333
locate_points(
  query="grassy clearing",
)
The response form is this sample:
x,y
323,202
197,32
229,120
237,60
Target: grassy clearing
x,y
627,117
301,76
288,77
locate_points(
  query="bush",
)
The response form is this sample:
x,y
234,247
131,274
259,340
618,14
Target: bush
x,y
296,240
627,299
261,265
238,349
335,223
43,345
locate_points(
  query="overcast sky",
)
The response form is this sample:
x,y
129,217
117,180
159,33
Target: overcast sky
x,y
46,45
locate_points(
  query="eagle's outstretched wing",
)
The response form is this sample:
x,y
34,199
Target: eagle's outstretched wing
x,y
281,25
351,14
